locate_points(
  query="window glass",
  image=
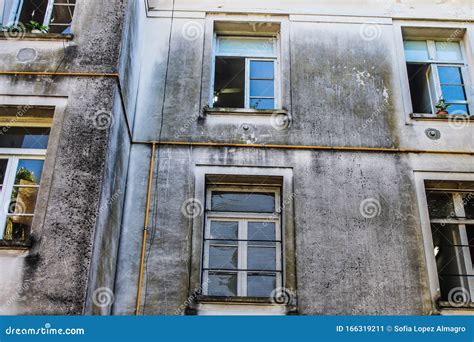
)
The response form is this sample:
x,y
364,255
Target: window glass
x,y
61,18
223,257
33,10
260,285
3,170
243,202
256,103
254,47
222,284
224,230
19,137
261,231
440,205
448,51
29,172
416,50
468,201
470,240
261,258
262,70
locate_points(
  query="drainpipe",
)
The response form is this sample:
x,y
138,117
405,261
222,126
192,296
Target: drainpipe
x,y
145,230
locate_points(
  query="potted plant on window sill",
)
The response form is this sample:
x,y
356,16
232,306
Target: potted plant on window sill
x,y
442,107
35,27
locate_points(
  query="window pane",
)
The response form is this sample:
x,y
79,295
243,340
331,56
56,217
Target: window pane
x,y
3,170
222,284
17,228
260,285
262,69
33,10
61,17
449,51
261,258
261,231
254,47
224,230
262,103
229,83
16,137
468,200
458,109
29,172
450,75
447,241
470,240
243,202
453,93
416,50
23,200
262,88
440,205
418,75
221,257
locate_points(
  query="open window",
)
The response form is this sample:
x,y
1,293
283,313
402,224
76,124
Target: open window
x,y
55,14
451,214
436,69
245,69
24,135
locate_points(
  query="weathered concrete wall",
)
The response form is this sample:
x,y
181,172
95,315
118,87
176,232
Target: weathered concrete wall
x,y
53,275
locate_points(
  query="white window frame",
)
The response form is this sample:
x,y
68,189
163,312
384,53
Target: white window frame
x,y
275,58
243,219
461,222
14,156
434,63
14,15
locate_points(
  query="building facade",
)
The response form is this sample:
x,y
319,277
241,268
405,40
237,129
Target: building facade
x,y
239,157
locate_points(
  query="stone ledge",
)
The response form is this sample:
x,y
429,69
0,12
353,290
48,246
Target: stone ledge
x,y
431,117
35,36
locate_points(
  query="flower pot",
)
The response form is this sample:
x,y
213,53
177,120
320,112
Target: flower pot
x,y
36,31
442,113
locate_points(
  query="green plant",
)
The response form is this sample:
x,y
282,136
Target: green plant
x,y
441,105
34,25
24,174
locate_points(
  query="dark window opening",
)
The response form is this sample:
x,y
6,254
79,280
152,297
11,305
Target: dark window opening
x,y
418,75
229,82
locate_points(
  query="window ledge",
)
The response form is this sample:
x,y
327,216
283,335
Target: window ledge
x,y
462,306
35,36
433,117
14,245
240,300
243,111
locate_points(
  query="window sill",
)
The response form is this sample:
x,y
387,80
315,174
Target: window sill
x,y
432,117
243,111
238,306
462,306
35,36
241,300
